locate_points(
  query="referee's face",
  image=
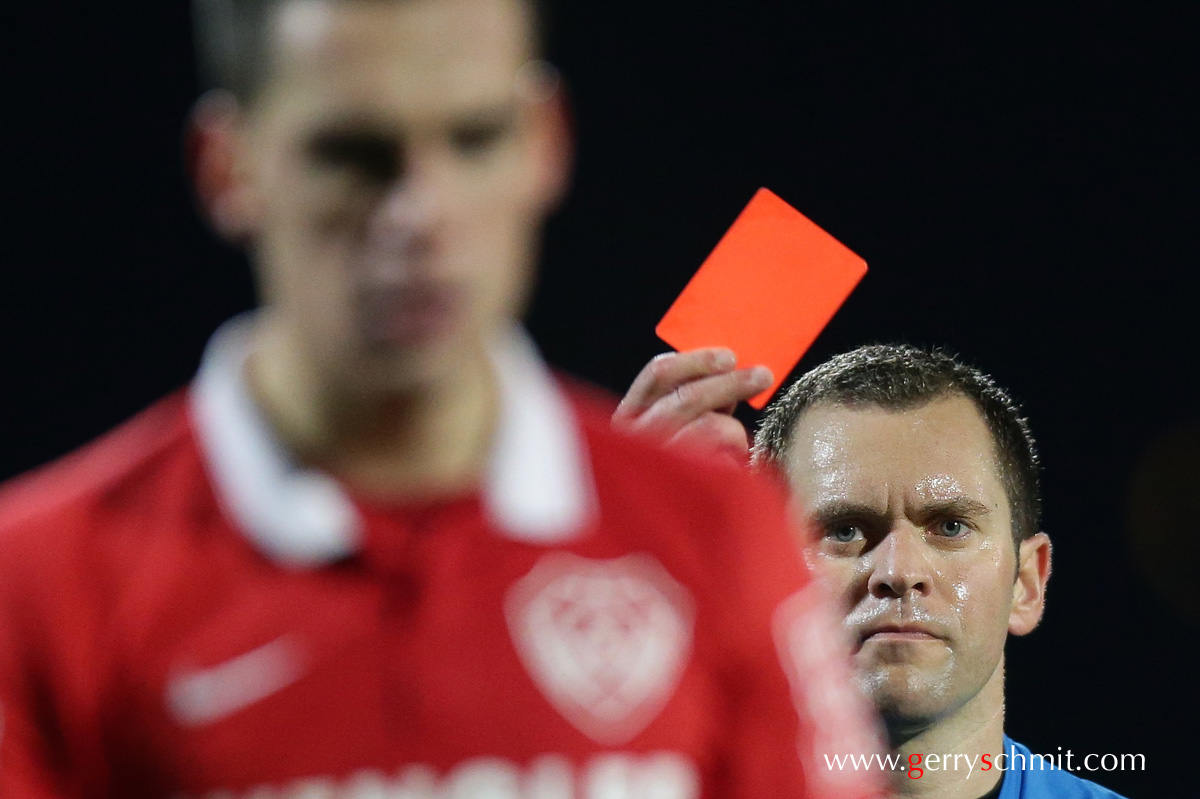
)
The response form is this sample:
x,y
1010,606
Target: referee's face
x,y
394,173
916,533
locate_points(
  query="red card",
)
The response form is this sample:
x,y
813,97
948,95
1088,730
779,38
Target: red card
x,y
768,289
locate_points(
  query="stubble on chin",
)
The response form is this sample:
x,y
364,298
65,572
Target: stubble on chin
x,y
909,700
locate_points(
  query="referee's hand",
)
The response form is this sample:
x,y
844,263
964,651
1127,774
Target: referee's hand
x,y
689,397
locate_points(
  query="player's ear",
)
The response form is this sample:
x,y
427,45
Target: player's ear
x,y
211,151
553,132
1029,590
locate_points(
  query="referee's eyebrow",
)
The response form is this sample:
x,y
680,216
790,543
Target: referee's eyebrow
x,y
826,513
960,506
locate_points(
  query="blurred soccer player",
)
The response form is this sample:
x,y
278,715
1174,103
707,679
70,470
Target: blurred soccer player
x,y
921,478
376,549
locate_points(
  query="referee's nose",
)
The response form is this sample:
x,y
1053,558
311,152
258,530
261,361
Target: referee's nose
x,y
900,564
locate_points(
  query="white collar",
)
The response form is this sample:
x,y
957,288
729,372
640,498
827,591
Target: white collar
x,y
538,486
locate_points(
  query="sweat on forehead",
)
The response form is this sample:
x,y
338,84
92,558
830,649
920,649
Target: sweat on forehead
x,y
901,377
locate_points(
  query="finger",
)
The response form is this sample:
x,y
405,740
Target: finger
x,y
666,372
693,400
716,432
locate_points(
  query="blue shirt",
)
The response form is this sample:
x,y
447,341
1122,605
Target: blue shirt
x,y
1031,778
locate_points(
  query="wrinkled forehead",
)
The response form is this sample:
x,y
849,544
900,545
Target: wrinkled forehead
x,y
419,53
870,455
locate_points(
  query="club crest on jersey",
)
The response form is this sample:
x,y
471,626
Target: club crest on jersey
x,y
605,640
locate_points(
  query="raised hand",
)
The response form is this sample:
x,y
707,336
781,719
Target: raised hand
x,y
689,397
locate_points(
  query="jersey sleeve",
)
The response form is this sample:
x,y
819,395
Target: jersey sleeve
x,y
25,756
25,751
48,749
793,702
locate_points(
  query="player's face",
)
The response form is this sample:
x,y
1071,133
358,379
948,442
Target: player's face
x,y
396,169
915,531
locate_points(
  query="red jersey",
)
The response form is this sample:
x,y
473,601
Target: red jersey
x,y
186,612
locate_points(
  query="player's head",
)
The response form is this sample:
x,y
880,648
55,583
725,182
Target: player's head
x,y
921,477
234,38
388,164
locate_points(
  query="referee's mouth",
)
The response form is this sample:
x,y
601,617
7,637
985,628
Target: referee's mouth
x,y
898,633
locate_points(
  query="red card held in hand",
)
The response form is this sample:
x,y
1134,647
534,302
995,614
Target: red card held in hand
x,y
766,292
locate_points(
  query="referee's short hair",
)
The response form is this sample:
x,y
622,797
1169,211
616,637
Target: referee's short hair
x,y
900,377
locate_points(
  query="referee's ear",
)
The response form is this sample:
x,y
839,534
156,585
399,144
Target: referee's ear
x,y
1029,589
212,161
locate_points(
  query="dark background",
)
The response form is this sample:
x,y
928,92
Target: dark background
x,y
1022,183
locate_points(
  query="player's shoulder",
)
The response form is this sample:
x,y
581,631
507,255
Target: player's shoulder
x,y
59,496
